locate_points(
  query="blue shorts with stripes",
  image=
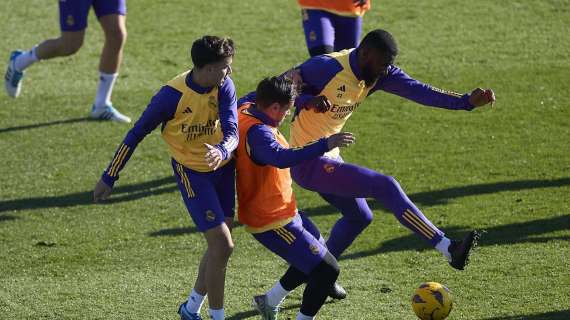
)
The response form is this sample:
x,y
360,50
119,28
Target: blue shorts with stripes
x,y
299,243
208,196
73,13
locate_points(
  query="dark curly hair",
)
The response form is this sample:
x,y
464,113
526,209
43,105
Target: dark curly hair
x,y
275,89
211,49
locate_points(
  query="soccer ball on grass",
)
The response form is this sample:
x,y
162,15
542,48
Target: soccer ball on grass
x,y
432,301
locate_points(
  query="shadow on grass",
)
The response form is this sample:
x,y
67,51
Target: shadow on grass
x,y
120,194
422,198
553,315
255,314
524,232
441,197
7,218
45,124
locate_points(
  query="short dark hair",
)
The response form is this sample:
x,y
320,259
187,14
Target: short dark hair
x,y
211,49
381,40
280,89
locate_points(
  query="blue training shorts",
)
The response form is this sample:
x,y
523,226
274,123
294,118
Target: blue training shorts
x,y
208,196
299,243
323,28
73,13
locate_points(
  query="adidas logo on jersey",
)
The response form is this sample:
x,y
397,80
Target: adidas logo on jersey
x,y
187,110
342,88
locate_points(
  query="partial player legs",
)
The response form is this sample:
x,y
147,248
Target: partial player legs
x,y
67,44
115,31
319,31
347,31
114,27
328,176
310,261
356,216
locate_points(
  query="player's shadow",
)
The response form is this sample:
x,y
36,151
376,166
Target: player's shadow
x,y
422,198
442,197
553,315
524,232
120,194
173,232
45,124
255,314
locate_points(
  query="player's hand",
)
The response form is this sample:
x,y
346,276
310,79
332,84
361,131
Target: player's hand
x,y
295,75
102,191
213,156
480,97
319,104
340,140
359,3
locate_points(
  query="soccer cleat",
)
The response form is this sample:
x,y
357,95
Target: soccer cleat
x,y
266,311
460,249
13,77
185,315
108,113
337,292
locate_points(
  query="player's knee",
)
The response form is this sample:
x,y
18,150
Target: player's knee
x,y
317,51
366,218
326,271
362,216
387,183
116,37
70,45
222,250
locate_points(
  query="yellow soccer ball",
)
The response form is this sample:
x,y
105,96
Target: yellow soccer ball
x,y
432,301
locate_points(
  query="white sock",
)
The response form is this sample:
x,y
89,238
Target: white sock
x,y
106,82
443,247
26,59
276,294
195,302
216,314
301,316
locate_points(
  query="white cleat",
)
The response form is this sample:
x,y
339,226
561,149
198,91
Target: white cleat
x,y
108,113
13,77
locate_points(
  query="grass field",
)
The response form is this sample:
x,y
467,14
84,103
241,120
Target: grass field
x,y
505,170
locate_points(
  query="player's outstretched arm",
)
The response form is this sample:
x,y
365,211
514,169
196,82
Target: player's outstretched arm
x,y
481,97
101,191
340,140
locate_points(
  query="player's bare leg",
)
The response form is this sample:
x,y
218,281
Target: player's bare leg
x,y
114,27
220,247
66,44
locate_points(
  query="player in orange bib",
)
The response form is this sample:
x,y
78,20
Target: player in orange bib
x,y
266,203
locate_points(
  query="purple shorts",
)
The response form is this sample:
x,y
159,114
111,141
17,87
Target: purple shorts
x,y
299,243
73,13
208,196
323,28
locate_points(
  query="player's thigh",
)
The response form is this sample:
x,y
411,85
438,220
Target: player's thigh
x,y
333,176
109,7
318,28
73,15
295,245
226,188
347,32
311,227
200,197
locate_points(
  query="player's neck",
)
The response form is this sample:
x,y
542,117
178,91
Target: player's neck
x,y
199,78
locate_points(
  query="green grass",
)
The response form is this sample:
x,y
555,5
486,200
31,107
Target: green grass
x,y
506,170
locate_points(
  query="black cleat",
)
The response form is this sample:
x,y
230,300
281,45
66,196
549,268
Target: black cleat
x,y
460,249
337,292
